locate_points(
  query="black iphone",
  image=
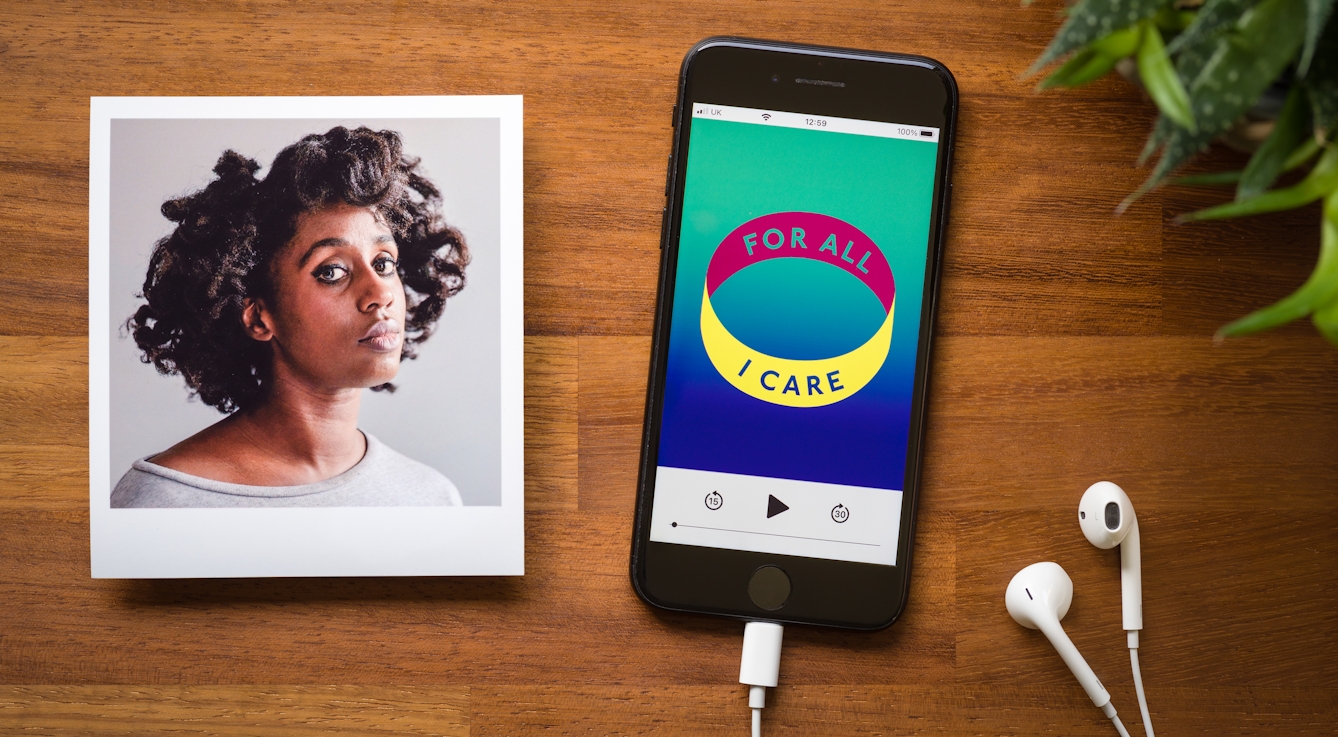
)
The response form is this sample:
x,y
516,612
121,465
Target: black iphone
x,y
807,197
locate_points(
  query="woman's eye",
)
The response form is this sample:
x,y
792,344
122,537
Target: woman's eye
x,y
329,273
385,266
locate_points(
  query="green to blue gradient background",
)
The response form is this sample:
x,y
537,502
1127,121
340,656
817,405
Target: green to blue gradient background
x,y
797,308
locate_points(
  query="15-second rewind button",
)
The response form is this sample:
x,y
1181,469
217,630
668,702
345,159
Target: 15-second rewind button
x,y
714,501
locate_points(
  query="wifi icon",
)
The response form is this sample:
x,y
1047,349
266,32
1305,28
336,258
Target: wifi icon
x,y
766,116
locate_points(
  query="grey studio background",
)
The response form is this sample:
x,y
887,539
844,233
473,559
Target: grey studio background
x,y
446,412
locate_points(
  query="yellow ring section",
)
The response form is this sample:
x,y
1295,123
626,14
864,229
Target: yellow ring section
x,y
793,382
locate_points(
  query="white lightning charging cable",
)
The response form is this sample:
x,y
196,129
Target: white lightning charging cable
x,y
1138,682
760,665
759,669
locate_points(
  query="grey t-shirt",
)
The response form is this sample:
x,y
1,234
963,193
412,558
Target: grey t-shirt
x,y
383,478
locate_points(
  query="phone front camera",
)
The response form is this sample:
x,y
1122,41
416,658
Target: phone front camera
x,y
775,78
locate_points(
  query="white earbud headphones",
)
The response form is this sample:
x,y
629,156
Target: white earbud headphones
x,y
1039,595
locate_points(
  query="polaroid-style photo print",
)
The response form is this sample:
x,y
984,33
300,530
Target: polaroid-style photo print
x,y
306,336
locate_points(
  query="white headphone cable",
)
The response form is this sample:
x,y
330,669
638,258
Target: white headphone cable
x,y
1109,711
1138,683
760,665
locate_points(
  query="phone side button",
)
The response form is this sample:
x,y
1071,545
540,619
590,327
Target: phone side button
x,y
664,225
669,175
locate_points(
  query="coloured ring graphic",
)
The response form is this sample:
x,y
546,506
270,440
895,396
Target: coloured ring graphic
x,y
786,381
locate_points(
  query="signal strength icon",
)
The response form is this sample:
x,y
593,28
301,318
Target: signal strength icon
x,y
766,116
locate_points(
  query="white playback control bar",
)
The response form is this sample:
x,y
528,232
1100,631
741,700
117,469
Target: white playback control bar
x,y
780,516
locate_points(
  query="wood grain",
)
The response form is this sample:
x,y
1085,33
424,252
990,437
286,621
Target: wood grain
x,y
551,453
884,711
281,711
1071,345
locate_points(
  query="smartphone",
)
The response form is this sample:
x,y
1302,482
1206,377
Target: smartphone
x,y
807,196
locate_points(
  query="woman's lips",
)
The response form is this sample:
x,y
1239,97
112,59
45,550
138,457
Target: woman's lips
x,y
382,337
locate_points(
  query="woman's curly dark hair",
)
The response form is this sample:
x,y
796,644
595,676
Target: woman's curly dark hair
x,y
227,234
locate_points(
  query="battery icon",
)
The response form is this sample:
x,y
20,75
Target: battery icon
x,y
927,134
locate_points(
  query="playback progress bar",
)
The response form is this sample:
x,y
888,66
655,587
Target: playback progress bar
x,y
773,534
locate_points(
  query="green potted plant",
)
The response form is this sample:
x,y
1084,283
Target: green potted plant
x,y
1212,67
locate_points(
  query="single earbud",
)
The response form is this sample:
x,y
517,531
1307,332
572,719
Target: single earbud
x,y
1038,597
1107,519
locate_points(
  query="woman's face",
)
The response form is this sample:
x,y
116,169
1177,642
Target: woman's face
x,y
336,318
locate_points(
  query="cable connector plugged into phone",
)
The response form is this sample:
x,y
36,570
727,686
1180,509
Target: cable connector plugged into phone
x,y
760,666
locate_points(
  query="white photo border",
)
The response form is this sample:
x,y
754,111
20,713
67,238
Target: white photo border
x,y
315,541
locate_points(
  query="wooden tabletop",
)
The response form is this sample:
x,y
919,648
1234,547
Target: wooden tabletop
x,y
1072,346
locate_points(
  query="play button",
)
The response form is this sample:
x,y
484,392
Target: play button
x,y
775,506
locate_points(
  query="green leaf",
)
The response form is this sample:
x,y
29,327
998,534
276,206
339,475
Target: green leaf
x,y
1077,67
1303,153
1093,19
1257,51
1321,180
1326,320
1180,147
1166,132
1119,44
1085,66
1160,132
1244,63
1095,60
1319,290
1317,14
1191,57
1173,21
1209,179
1195,49
1161,80
1212,18
1290,130
1321,81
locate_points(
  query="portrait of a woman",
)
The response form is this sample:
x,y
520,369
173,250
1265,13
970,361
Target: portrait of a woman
x,y
278,300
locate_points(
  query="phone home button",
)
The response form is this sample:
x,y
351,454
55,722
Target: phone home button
x,y
769,588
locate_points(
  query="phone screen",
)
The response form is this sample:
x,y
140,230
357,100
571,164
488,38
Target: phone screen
x,y
794,332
